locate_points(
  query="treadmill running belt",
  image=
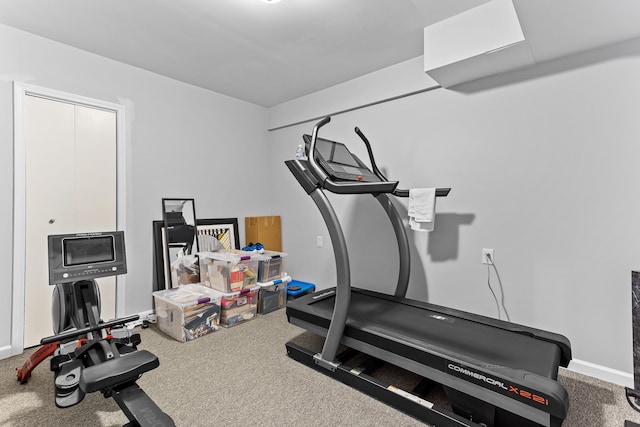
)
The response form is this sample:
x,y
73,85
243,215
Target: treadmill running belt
x,y
401,323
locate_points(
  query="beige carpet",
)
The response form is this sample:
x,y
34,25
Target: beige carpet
x,y
242,377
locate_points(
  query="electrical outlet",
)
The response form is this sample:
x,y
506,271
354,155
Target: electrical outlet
x,y
319,241
487,256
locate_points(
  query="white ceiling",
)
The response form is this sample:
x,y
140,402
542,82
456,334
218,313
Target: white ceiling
x,y
262,53
270,53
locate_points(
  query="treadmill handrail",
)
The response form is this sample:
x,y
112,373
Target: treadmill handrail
x,y
360,187
356,187
315,169
374,166
440,192
345,187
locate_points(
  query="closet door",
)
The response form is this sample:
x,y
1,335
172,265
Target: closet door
x,y
70,188
95,184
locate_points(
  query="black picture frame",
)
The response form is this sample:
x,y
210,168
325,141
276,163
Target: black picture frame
x,y
159,282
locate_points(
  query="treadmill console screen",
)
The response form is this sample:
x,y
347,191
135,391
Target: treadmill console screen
x,y
338,162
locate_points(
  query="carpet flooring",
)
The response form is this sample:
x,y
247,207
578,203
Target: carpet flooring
x,y
242,376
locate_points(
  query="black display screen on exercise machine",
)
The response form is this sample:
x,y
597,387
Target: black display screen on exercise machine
x,y
338,162
78,251
85,256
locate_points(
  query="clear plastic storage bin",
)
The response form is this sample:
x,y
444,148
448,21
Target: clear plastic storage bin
x,y
227,271
239,307
272,295
271,266
187,312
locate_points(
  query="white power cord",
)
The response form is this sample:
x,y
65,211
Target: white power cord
x,y
489,265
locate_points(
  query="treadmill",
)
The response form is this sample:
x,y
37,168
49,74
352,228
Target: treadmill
x,y
494,373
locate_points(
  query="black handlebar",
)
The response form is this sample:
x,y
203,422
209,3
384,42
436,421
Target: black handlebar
x,y
342,187
313,165
370,151
440,192
83,331
384,186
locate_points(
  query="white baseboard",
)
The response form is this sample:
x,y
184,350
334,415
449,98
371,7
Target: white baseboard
x,y
624,379
5,352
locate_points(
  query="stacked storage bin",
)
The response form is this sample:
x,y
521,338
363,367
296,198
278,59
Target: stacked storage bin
x,y
238,307
272,280
272,295
228,272
234,275
187,312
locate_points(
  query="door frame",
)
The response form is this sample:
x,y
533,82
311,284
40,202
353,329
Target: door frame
x,y
20,91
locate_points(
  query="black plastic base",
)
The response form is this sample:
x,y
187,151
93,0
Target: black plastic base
x,y
140,409
487,414
399,399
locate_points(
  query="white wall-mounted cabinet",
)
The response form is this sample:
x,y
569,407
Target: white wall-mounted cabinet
x,y
480,42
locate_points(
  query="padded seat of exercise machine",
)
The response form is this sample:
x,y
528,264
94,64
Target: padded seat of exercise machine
x,y
117,371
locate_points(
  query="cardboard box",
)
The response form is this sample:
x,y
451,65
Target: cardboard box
x,y
187,312
265,230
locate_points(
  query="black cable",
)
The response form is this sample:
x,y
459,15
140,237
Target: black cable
x,y
632,397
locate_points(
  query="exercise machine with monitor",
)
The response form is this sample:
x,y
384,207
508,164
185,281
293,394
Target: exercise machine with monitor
x,y
89,354
633,394
494,373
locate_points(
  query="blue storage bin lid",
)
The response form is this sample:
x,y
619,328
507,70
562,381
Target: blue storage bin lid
x,y
296,287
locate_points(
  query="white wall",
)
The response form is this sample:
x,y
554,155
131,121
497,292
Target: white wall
x,y
541,163
397,80
182,141
543,169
